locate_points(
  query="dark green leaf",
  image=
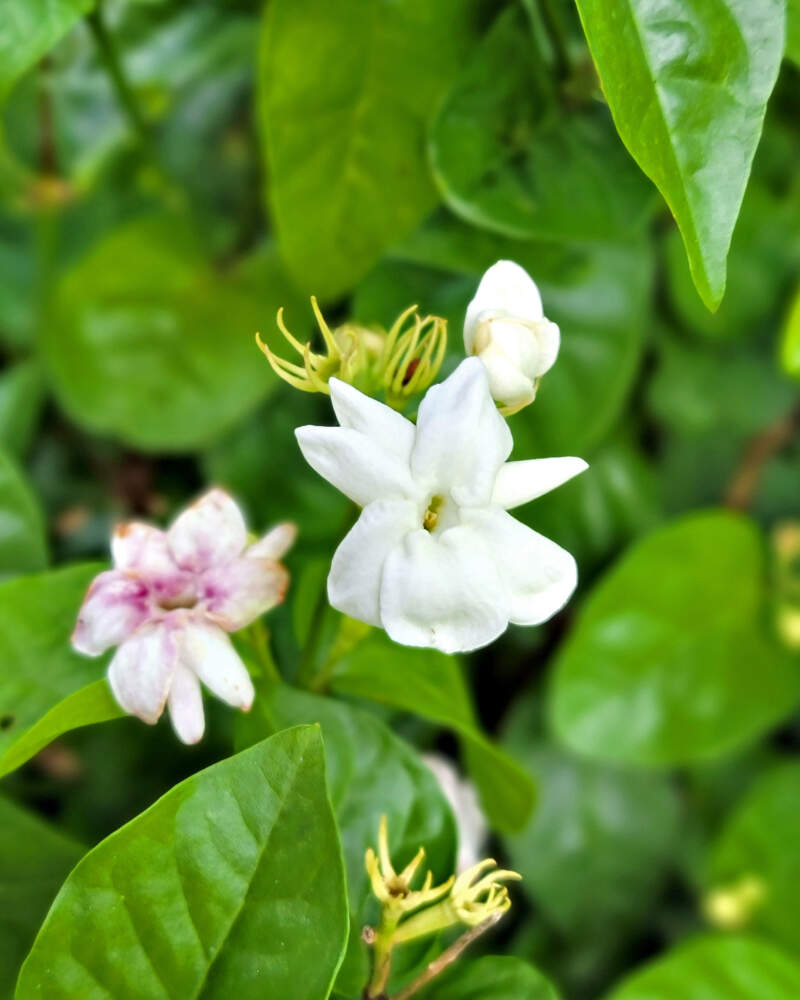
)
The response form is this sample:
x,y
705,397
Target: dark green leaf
x,y
21,398
232,884
670,661
345,95
688,83
23,545
493,977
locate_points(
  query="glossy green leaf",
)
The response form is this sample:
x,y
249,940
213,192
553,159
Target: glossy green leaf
x,y
21,398
345,95
597,849
39,668
793,31
431,684
687,84
23,545
232,884
493,977
30,29
670,660
34,861
505,159
147,343
716,968
86,707
370,772
759,842
790,339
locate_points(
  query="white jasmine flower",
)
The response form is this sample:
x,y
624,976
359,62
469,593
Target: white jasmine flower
x,y
507,329
471,825
170,600
434,557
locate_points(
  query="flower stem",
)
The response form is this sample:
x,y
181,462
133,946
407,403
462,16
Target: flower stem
x,y
111,61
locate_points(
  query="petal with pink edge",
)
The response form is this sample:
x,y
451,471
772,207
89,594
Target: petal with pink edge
x,y
275,544
141,549
115,605
210,533
186,706
236,594
142,669
207,651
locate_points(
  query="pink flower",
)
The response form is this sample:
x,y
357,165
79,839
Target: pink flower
x,y
170,600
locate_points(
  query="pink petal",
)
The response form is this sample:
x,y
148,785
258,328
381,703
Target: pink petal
x,y
142,669
210,533
207,651
141,549
114,606
186,706
236,594
275,543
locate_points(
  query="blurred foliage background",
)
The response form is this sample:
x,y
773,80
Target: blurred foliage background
x,y
172,173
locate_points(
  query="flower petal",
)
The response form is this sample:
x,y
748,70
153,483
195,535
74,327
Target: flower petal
x,y
186,706
443,591
354,581
210,533
507,383
539,574
275,543
519,482
142,549
141,671
207,651
504,288
353,463
235,594
115,605
461,438
391,431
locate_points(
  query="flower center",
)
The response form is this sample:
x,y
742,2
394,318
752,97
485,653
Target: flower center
x,y
431,516
178,601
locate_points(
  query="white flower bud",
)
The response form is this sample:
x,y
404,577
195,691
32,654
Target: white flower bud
x,y
507,329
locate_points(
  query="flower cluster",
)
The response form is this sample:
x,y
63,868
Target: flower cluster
x,y
170,601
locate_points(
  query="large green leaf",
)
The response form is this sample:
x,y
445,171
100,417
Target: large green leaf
x,y
670,661
760,842
37,667
23,546
232,884
34,861
370,772
148,343
597,849
30,28
688,83
493,977
432,685
716,968
21,398
345,93
793,31
505,159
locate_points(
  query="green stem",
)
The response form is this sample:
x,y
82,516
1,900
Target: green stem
x,y
113,65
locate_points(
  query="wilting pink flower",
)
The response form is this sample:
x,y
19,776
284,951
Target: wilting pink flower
x,y
170,600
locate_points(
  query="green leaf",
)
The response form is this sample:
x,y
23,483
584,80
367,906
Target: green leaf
x,y
596,851
21,399
790,339
687,84
86,707
232,884
504,159
431,684
760,841
345,93
370,772
39,667
148,344
30,29
715,968
23,545
493,977
34,861
669,661
793,31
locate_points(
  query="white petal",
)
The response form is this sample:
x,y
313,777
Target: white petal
x,y
141,671
471,825
519,482
115,605
383,425
355,578
275,544
443,591
210,533
461,438
507,383
505,288
142,549
355,465
539,574
235,594
186,706
207,651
